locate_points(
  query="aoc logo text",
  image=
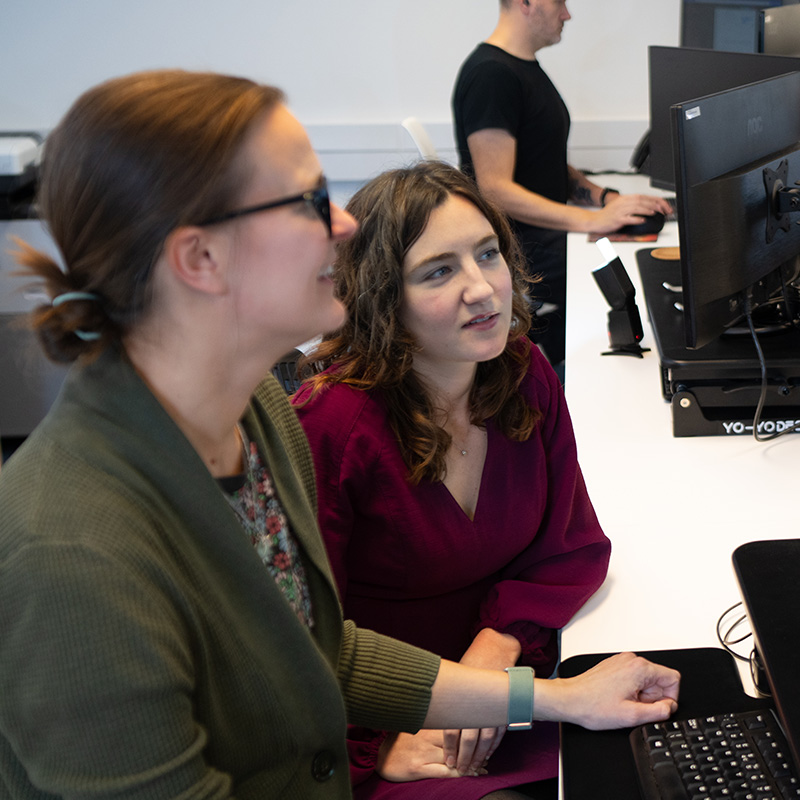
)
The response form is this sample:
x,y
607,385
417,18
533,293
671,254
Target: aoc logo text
x,y
755,125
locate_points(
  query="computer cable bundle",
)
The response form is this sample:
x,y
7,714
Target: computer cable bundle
x,y
728,637
763,394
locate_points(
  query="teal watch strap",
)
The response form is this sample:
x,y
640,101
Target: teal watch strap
x,y
520,698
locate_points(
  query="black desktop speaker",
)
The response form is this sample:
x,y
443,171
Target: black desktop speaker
x,y
624,323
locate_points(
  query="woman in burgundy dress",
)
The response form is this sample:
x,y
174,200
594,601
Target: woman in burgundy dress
x,y
451,501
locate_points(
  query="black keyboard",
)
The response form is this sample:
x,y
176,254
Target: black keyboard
x,y
740,756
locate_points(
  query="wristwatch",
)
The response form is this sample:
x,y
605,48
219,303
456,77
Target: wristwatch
x,y
608,190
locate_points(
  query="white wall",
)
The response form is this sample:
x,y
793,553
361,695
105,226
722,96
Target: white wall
x,y
352,69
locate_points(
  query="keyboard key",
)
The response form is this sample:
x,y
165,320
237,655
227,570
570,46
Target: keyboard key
x,y
736,756
669,780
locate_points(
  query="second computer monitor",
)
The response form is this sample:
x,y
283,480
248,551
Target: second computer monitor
x,y
737,162
681,73
779,31
730,25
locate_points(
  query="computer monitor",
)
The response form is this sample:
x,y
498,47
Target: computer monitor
x,y
731,25
737,160
779,31
681,73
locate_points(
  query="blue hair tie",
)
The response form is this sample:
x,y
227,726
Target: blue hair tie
x,y
84,336
87,336
67,296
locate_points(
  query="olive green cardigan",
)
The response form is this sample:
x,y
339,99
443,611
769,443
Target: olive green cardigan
x,y
145,652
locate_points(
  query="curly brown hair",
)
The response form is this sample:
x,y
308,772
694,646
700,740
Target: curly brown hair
x,y
372,350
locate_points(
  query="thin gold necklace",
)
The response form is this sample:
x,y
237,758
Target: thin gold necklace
x,y
461,449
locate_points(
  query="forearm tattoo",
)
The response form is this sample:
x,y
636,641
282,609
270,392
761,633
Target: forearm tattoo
x,y
582,195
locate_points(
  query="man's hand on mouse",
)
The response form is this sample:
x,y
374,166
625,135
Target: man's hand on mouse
x,y
626,209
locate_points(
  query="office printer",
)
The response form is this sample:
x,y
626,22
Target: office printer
x,y
28,381
20,156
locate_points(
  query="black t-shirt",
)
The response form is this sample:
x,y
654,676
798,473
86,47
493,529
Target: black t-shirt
x,y
497,90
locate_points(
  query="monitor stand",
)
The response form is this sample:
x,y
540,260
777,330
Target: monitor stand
x,y
714,391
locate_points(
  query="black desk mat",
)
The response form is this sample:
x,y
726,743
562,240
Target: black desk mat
x,y
598,765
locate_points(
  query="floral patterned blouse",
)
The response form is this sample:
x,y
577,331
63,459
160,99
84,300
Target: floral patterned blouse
x,y
252,498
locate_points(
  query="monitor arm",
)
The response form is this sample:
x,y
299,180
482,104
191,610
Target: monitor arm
x,y
782,200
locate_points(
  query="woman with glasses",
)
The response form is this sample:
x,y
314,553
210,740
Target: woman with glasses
x,y
451,501
169,626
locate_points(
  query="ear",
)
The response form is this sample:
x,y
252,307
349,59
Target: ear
x,y
196,258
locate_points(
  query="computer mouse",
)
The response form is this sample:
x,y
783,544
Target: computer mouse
x,y
650,225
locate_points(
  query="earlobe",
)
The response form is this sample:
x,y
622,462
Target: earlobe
x,y
195,259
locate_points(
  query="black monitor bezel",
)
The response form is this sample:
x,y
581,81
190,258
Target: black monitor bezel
x,y
694,33
677,74
779,36
722,143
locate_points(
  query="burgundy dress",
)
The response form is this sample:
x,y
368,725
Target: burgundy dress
x,y
411,564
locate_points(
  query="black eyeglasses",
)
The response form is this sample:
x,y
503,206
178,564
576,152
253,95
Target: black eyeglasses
x,y
318,199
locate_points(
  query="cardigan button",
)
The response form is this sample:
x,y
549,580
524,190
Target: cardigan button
x,y
323,766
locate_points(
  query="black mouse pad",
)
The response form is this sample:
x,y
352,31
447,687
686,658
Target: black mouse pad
x,y
598,765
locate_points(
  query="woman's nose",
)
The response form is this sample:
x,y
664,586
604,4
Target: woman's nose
x,y
477,288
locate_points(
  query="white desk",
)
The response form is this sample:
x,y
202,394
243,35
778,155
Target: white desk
x,y
674,509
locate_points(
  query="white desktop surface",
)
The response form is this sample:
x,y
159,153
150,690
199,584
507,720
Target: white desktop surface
x,y
674,508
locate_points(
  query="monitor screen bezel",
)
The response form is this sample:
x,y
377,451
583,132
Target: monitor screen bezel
x,y
700,24
677,74
722,144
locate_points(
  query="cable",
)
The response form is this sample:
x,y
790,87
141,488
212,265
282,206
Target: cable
x,y
725,638
763,394
753,658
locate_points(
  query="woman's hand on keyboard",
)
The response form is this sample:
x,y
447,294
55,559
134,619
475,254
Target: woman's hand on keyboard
x,y
620,692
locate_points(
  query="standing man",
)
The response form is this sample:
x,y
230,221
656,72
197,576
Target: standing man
x,y
511,129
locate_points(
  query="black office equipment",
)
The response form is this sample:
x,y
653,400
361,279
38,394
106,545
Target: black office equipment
x,y
650,224
602,764
286,371
779,31
747,755
737,157
599,765
20,153
714,390
677,74
767,572
624,323
722,24
29,382
743,755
